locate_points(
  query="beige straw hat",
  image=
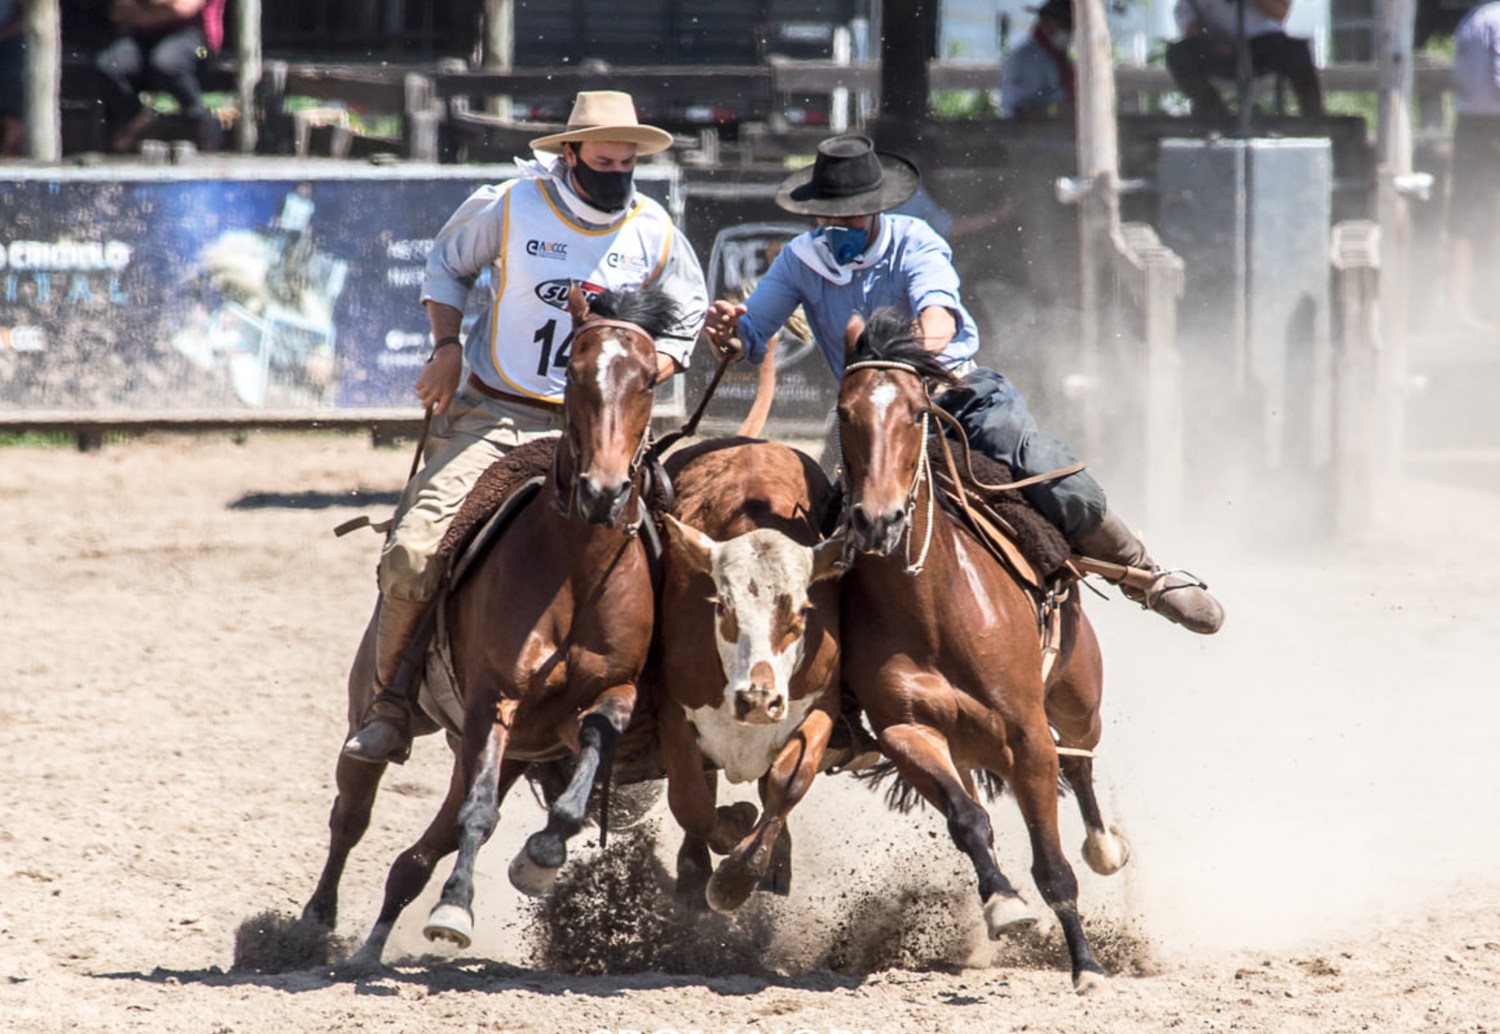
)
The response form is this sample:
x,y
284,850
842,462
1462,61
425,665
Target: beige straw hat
x,y
606,115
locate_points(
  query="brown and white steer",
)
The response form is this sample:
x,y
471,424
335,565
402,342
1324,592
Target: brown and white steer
x,y
749,656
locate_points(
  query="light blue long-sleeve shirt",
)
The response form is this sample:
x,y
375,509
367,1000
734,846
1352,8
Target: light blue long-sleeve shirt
x,y
908,267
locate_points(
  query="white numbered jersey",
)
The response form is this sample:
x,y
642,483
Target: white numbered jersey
x,y
543,253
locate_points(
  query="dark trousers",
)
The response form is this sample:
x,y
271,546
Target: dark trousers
x,y
999,424
131,64
1195,60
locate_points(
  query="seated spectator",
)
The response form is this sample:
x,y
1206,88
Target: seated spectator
x,y
12,76
1207,51
1037,78
1474,191
160,46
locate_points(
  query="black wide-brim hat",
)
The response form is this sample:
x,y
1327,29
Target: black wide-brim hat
x,y
849,177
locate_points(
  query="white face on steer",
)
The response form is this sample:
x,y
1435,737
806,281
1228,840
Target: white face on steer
x,y
761,581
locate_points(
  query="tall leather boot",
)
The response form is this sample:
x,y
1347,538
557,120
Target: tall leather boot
x,y
401,633
1175,595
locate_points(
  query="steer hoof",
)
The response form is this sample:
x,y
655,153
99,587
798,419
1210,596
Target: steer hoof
x,y
530,878
1004,913
451,923
1106,853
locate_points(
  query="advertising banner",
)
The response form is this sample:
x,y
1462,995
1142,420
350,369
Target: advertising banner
x,y
286,286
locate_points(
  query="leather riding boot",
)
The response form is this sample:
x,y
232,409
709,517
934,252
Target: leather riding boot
x,y
1175,595
385,732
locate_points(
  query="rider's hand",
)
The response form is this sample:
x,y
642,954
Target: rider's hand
x,y
439,380
722,321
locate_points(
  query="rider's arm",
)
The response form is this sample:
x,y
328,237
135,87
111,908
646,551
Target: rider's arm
x,y
438,380
775,298
469,241
932,285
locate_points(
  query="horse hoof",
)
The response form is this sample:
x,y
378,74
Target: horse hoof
x,y
1106,853
362,965
450,923
1088,982
1003,914
530,878
728,888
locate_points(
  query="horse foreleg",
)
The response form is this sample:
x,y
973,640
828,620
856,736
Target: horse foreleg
x,y
536,865
357,782
923,758
452,919
1033,781
790,777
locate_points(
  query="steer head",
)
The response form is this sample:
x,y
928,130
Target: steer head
x,y
761,609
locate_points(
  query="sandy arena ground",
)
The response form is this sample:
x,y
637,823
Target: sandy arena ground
x,y
1305,792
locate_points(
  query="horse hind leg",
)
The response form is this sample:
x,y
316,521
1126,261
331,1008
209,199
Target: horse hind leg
x,y
1105,848
922,757
536,865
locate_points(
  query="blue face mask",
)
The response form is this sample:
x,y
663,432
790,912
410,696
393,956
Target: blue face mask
x,y
846,242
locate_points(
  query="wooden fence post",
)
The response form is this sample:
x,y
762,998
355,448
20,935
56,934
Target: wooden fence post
x,y
43,81
247,75
1367,389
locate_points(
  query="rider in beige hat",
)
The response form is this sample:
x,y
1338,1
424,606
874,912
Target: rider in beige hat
x,y
571,219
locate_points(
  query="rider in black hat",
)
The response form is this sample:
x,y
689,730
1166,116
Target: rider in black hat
x,y
862,257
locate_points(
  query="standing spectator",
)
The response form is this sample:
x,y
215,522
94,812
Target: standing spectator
x,y
1207,51
1474,191
160,45
12,76
1037,78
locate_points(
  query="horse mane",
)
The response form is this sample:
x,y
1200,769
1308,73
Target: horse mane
x,y
649,308
888,337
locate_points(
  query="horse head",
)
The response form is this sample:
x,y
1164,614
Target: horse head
x,y
611,383
883,422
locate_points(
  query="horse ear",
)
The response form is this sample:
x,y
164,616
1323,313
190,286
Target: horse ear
x,y
826,557
578,304
852,330
691,544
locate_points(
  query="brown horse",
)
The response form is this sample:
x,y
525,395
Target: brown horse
x,y
941,644
748,621
549,633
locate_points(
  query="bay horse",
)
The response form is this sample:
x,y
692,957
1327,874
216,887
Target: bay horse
x,y
549,633
748,657
941,643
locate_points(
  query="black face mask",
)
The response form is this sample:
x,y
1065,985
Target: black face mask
x,y
607,191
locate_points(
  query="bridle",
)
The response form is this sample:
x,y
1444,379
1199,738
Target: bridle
x,y
921,476
637,462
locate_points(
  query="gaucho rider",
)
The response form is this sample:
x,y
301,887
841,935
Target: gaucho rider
x,y
863,257
576,218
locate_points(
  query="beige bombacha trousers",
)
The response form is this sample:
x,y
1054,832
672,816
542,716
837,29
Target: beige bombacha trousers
x,y
475,431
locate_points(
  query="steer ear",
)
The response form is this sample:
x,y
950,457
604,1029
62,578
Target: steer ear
x,y
852,330
826,557
691,544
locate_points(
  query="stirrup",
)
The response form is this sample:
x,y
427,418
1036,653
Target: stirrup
x,y
1159,587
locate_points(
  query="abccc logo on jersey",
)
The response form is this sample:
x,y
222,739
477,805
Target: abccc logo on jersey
x,y
557,250
555,292
621,260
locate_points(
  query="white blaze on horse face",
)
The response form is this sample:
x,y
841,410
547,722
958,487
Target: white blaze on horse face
x,y
762,580
611,351
881,398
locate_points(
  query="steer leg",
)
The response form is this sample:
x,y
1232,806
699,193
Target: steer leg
x,y
691,793
922,756
536,866
787,782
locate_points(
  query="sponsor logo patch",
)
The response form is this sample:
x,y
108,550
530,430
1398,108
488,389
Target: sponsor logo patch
x,y
620,260
555,292
557,250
